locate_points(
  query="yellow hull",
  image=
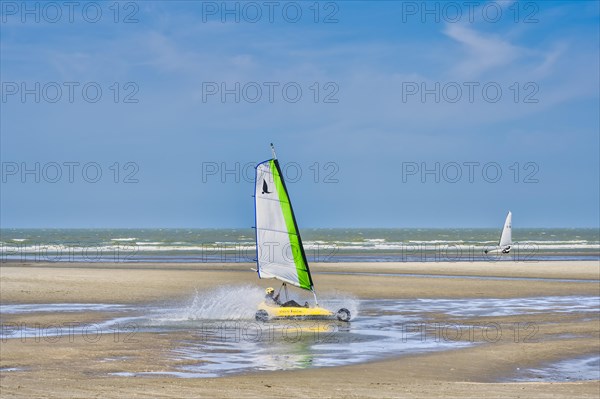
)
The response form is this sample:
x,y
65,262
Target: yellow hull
x,y
279,312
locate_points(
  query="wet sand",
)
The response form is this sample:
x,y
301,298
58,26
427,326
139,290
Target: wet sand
x,y
79,368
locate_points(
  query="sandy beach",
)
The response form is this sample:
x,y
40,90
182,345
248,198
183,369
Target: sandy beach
x,y
77,367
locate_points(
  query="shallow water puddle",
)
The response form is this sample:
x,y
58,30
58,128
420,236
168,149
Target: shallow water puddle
x,y
215,334
229,347
582,368
487,307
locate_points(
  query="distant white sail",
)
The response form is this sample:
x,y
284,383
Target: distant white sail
x,y
279,248
506,238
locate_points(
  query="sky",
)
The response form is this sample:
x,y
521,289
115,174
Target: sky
x,y
383,114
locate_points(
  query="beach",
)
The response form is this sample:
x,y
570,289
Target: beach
x,y
525,301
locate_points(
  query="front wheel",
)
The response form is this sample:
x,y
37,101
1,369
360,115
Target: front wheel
x,y
343,315
261,315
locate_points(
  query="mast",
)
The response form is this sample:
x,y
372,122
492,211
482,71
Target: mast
x,y
273,151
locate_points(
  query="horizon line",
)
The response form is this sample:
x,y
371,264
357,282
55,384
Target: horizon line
x,y
303,228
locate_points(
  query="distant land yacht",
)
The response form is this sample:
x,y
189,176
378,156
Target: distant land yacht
x,y
506,237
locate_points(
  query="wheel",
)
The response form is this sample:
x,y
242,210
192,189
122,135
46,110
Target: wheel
x,y
261,315
343,314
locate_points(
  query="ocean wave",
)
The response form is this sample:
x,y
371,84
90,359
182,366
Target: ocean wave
x,y
557,242
123,248
232,247
434,241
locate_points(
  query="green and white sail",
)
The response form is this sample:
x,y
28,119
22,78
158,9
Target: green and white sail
x,y
280,253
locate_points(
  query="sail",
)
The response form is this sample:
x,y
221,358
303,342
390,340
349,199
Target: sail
x,y
279,248
506,238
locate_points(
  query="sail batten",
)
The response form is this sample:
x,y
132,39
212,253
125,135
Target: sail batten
x,y
273,199
280,253
277,231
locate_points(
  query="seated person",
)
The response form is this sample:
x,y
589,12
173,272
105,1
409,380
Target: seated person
x,y
272,299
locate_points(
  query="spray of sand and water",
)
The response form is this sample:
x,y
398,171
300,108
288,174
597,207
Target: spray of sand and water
x,y
239,302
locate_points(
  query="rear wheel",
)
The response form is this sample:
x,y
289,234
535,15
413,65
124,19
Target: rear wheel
x,y
261,315
343,315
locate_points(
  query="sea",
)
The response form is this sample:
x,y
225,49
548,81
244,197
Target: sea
x,y
320,245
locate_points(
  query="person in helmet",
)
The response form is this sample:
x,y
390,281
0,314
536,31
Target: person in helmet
x,y
273,299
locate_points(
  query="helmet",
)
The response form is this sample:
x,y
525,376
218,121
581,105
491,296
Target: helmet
x,y
269,291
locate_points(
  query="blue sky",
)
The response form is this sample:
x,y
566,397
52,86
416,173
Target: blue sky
x,y
177,139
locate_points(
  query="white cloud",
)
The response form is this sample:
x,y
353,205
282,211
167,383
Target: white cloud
x,y
484,52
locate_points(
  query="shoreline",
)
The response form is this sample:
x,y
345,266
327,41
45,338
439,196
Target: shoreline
x,y
525,268
350,257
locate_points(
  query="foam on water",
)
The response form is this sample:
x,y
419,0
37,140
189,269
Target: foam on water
x,y
329,245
